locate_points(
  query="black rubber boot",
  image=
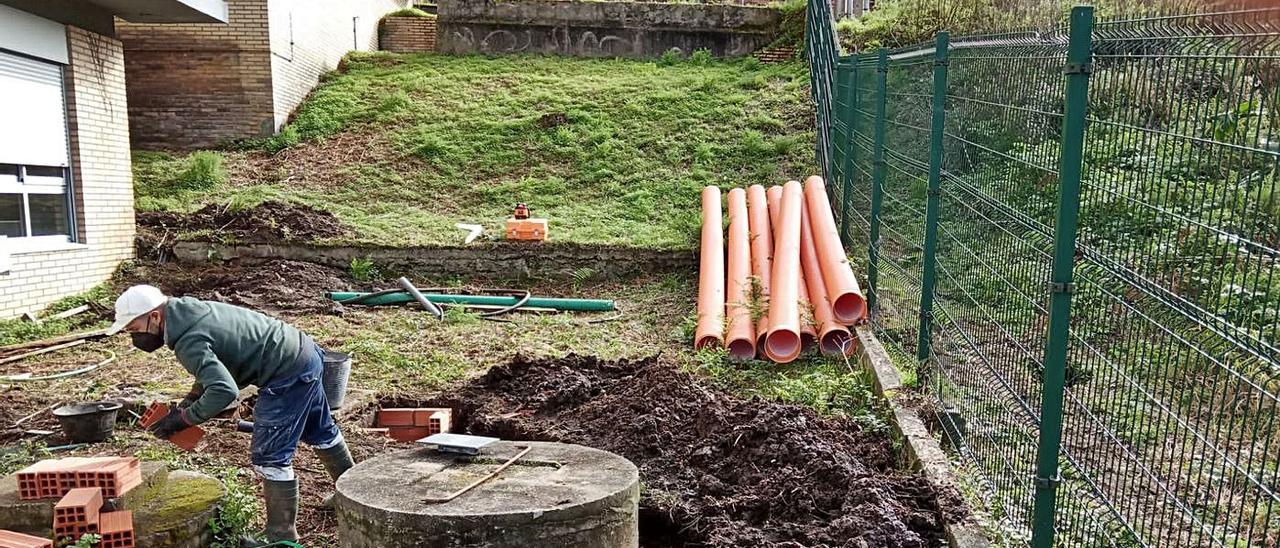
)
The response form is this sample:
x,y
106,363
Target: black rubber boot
x,y
282,513
337,460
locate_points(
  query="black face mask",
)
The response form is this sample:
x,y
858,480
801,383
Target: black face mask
x,y
148,341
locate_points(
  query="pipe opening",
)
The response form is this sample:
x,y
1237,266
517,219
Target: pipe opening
x,y
849,308
742,349
782,346
707,342
836,342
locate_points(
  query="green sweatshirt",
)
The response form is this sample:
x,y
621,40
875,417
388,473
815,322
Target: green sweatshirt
x,y
226,348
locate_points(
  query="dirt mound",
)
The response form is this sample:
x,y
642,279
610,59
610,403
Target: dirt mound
x,y
267,222
273,287
717,470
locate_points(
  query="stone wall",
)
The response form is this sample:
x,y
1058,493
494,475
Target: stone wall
x,y
407,34
602,29
99,136
201,84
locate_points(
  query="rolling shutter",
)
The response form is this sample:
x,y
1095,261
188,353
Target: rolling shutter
x,y
33,119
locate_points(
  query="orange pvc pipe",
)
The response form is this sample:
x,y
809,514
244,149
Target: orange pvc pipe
x,y
783,343
710,331
741,339
833,338
847,302
808,332
761,252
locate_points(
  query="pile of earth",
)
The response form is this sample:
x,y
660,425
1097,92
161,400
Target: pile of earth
x,y
267,222
717,470
292,287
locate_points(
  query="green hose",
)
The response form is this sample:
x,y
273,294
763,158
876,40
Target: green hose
x,y
575,305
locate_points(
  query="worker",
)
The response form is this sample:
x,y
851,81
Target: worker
x,y
226,348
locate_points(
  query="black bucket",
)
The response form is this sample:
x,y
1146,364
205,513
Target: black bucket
x,y
88,422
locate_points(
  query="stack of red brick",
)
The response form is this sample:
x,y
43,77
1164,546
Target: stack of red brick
x,y
412,424
186,439
82,483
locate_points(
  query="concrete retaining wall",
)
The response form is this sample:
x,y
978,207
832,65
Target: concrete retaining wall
x,y
602,29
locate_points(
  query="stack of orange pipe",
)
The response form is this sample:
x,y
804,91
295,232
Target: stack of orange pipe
x,y
784,252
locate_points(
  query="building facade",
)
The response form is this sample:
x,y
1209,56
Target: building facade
x,y
202,85
66,187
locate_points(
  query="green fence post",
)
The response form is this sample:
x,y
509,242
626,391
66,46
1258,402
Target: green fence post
x,y
1079,59
927,280
835,136
877,178
849,114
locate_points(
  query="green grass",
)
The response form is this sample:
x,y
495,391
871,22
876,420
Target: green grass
x,y
614,152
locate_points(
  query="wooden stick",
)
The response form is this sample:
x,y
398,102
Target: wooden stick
x,y
52,341
476,483
53,348
31,416
69,313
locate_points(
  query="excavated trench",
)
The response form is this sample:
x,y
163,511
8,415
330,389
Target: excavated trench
x,y
716,470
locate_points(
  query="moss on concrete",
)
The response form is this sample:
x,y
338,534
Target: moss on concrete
x,y
179,501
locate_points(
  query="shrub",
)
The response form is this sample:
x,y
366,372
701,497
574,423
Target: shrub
x,y
204,172
410,12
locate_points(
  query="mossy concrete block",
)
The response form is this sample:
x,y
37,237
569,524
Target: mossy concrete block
x,y
35,517
177,515
557,495
170,509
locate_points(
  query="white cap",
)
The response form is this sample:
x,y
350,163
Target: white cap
x,y
135,302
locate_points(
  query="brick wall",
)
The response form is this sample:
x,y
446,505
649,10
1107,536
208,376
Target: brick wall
x,y
407,34
99,133
309,37
200,85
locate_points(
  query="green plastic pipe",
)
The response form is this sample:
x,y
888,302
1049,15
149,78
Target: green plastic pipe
x,y
574,305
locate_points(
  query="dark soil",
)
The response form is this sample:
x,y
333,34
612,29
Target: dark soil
x,y
267,222
278,286
717,470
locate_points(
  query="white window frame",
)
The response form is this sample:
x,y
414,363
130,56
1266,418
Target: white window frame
x,y
25,185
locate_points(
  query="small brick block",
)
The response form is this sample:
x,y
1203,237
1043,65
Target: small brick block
x,y
440,422
153,414
29,479
118,478
116,529
78,507
11,539
395,417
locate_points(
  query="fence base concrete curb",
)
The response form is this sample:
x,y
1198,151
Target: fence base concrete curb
x,y
922,451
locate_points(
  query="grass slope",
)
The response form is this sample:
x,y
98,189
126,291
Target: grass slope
x,y
612,151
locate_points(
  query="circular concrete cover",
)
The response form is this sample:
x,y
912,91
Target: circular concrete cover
x,y
555,493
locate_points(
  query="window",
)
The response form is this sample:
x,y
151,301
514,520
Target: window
x,y
35,194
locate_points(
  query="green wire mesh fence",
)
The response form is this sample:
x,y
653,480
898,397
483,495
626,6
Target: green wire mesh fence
x,y
958,170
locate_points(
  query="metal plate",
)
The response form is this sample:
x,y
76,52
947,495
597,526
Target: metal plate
x,y
457,443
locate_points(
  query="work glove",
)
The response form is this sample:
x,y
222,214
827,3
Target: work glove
x,y
171,424
191,397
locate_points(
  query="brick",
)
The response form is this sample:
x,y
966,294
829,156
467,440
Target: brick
x,y
187,438
11,539
29,486
408,434
395,417
116,529
78,507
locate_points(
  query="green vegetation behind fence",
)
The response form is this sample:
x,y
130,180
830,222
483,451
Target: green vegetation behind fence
x,y
1077,232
